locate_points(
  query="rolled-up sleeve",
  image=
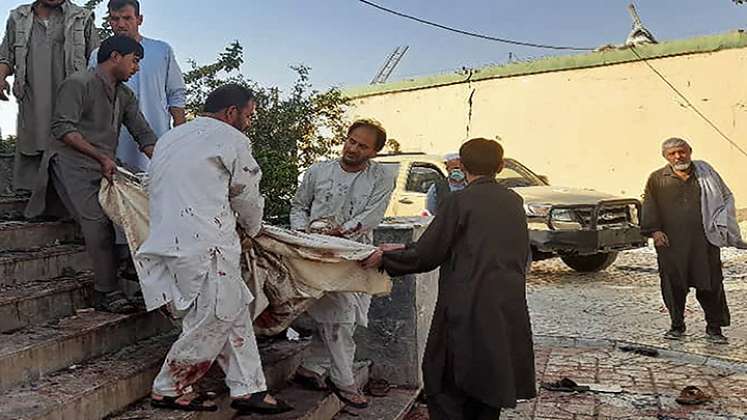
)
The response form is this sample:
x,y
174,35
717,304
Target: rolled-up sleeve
x,y
7,50
136,124
243,190
68,108
176,92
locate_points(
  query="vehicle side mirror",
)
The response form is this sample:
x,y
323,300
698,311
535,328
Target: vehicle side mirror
x,y
544,179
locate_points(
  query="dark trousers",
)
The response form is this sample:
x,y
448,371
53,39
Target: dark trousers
x,y
713,303
457,406
79,193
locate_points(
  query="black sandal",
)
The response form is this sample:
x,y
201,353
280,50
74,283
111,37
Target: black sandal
x,y
114,302
195,404
341,395
256,404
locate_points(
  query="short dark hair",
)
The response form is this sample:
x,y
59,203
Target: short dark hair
x,y
115,5
374,126
482,156
121,44
226,96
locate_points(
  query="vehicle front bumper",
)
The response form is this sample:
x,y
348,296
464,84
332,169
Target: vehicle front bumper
x,y
586,242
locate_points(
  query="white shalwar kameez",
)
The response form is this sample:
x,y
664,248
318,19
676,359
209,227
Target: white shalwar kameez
x,y
203,180
356,201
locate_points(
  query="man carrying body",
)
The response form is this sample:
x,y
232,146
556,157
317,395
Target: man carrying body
x,y
204,184
91,107
352,192
689,211
456,181
45,42
159,85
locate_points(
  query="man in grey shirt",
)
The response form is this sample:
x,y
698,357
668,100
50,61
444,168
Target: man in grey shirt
x,y
44,43
350,195
90,110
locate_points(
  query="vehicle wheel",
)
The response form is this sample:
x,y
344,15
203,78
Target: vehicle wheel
x,y
590,263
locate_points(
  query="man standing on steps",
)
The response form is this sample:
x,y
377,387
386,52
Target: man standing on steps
x,y
159,87
689,212
91,107
352,193
204,184
44,43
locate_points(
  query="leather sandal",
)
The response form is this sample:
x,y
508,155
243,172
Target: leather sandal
x,y
195,404
344,395
692,395
256,404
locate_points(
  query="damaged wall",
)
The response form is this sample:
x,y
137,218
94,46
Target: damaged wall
x,y
595,120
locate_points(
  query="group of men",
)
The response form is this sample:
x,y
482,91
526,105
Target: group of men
x,y
86,108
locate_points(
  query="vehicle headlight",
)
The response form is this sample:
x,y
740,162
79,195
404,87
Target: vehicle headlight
x,y
564,215
537,210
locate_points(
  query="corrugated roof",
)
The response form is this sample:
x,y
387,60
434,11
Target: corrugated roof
x,y
698,45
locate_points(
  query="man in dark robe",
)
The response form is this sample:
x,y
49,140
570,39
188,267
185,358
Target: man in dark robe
x,y
479,357
673,215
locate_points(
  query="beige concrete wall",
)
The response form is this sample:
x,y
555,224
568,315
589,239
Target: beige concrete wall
x,y
597,127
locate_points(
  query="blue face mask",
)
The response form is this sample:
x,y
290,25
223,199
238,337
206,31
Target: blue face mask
x,y
456,175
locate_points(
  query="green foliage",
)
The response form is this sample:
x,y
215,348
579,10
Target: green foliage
x,y
290,131
105,31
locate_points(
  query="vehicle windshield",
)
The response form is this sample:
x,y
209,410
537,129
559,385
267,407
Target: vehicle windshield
x,y
516,175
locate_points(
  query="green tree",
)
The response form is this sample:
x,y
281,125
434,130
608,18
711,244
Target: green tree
x,y
105,31
290,131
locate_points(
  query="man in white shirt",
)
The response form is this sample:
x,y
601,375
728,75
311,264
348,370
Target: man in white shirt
x,y
204,183
351,194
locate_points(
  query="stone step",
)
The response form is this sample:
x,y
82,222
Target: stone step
x,y
38,350
23,235
280,361
394,406
42,264
94,389
38,302
12,207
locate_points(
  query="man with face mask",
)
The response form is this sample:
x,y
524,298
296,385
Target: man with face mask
x,y
90,110
689,212
44,43
456,181
351,193
204,183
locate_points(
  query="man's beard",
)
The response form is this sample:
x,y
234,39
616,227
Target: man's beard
x,y
353,161
682,166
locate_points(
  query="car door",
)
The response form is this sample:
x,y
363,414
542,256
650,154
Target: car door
x,y
420,177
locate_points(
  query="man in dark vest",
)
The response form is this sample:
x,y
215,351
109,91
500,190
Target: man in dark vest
x,y
479,357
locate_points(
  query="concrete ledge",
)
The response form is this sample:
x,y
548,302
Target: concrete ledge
x,y
26,356
611,344
92,391
11,207
46,263
39,302
21,235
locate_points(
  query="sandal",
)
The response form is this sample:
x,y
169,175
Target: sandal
x,y
195,404
378,387
692,395
256,404
565,385
113,302
344,395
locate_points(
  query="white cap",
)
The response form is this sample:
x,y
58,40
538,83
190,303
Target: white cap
x,y
451,156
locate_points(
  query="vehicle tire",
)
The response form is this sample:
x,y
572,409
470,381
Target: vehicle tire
x,y
590,263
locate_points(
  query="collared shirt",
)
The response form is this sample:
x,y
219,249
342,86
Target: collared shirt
x,y
355,200
159,86
90,104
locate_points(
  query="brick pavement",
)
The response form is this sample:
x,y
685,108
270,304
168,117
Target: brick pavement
x,y
649,387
